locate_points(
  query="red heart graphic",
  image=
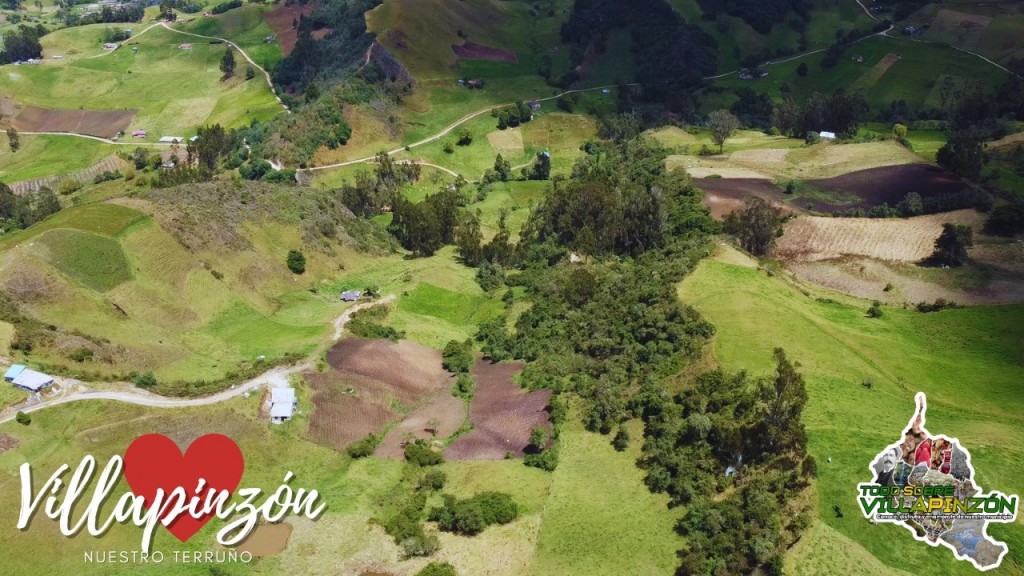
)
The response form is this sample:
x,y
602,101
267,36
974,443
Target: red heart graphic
x,y
154,462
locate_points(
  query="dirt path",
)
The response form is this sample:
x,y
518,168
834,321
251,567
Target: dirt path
x,y
448,130
276,377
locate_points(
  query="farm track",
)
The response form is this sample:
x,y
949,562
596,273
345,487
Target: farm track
x,y
275,377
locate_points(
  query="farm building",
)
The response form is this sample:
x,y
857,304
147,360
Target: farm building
x,y
110,46
27,379
138,133
827,135
187,46
282,404
351,295
534,105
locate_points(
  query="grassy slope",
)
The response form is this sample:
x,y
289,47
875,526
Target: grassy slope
x,y
245,27
912,78
966,360
48,155
174,90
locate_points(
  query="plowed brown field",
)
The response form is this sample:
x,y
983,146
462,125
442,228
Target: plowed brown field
x,y
502,415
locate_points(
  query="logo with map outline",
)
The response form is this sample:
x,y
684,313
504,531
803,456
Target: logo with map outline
x,y
926,484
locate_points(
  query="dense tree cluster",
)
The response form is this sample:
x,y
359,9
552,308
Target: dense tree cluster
x,y
672,56
27,209
839,112
22,44
326,58
472,515
225,6
424,227
370,193
731,430
761,15
952,244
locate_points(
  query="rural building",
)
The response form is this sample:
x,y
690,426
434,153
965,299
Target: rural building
x,y
185,46
282,404
138,133
351,295
827,135
172,139
534,105
27,379
110,46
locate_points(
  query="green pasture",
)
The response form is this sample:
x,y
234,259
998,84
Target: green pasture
x,y
47,155
95,261
967,360
600,518
912,78
245,27
174,90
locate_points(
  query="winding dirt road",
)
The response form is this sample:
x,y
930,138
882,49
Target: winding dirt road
x,y
275,377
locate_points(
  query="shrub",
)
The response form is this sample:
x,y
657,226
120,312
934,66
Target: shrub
x,y
888,287
433,480
81,355
145,380
621,440
465,137
458,356
473,515
875,311
449,148
421,453
22,418
546,460
296,261
438,569
464,387
249,73
363,448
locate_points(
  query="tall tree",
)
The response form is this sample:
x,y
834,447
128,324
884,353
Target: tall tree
x,y
951,246
722,124
469,239
756,226
13,140
227,63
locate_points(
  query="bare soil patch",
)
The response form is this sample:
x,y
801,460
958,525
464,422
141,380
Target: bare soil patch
x,y
372,381
890,184
507,142
102,123
872,76
474,51
439,418
724,195
409,369
7,443
813,238
281,18
502,414
347,408
267,540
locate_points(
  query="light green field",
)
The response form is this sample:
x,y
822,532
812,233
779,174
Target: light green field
x,y
49,155
244,26
174,90
966,360
911,78
624,527
95,261
600,518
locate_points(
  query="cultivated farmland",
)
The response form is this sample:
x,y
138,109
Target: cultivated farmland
x,y
502,415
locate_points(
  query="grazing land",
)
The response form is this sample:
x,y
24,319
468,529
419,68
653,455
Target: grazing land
x,y
839,348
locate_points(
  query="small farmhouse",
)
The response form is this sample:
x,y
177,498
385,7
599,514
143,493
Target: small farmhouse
x,y
27,379
351,295
184,46
827,135
282,404
138,133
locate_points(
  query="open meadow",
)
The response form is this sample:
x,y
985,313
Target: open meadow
x,y
174,89
967,360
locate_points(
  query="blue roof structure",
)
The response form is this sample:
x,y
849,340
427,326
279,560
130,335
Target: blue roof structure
x,y
13,371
